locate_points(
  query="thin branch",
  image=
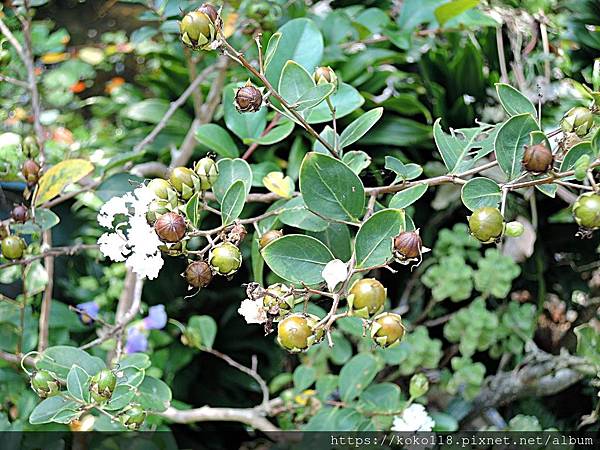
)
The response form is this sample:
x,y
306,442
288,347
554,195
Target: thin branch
x,y
54,251
248,153
46,306
11,80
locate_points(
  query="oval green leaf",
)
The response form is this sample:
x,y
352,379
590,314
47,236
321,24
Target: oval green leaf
x,y
480,192
373,244
233,202
407,197
510,142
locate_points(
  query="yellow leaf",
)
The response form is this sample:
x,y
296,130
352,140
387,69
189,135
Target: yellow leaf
x,y
59,176
278,184
54,58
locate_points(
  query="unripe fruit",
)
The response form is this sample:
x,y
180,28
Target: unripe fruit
x,y
133,417
225,259
12,247
198,274
514,229
486,224
206,169
537,158
419,385
44,384
182,179
198,31
31,171
408,244
367,297
170,227
19,214
387,329
30,147
248,98
269,237
161,188
297,332
586,211
325,74
578,120
102,385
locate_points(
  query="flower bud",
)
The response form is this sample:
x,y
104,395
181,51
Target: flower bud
x,y
198,30
31,171
162,189
198,274
12,247
514,229
419,385
170,227
269,237
102,385
387,329
297,332
586,211
486,224
44,384
225,259
366,297
325,74
578,120
19,214
30,147
248,98
279,300
191,337
408,245
207,171
537,158
185,181
133,417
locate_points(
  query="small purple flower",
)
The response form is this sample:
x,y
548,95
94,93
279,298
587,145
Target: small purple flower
x,y
89,311
156,319
136,341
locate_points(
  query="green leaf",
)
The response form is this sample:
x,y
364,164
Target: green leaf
x,y
122,396
573,155
328,135
277,134
206,327
297,258
356,376
345,100
455,147
300,41
44,219
326,384
479,192
138,360
78,384
403,171
154,394
444,422
192,210
61,358
314,96
336,238
398,132
588,343
117,185
233,202
510,142
513,102
452,9
330,188
407,197
248,125
304,377
152,110
272,46
359,127
230,171
295,214
357,160
258,263
374,239
295,81
383,398
59,176
217,139
50,408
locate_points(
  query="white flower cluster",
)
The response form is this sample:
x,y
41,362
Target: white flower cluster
x,y
253,311
413,418
133,240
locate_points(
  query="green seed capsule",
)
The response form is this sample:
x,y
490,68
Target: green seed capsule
x,y
486,224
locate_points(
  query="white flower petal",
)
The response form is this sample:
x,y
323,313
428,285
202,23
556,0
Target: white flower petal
x,y
413,418
334,273
252,311
113,246
144,265
110,209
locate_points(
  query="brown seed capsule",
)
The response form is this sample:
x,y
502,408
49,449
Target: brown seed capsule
x,y
19,214
248,98
210,11
537,158
198,274
31,171
408,244
170,227
269,237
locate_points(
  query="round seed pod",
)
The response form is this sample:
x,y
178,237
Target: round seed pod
x,y
586,211
248,98
537,158
367,297
297,332
31,171
486,224
408,244
198,274
170,227
387,329
20,214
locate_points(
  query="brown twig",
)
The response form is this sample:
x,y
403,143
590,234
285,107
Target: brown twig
x,y
55,251
248,153
46,306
